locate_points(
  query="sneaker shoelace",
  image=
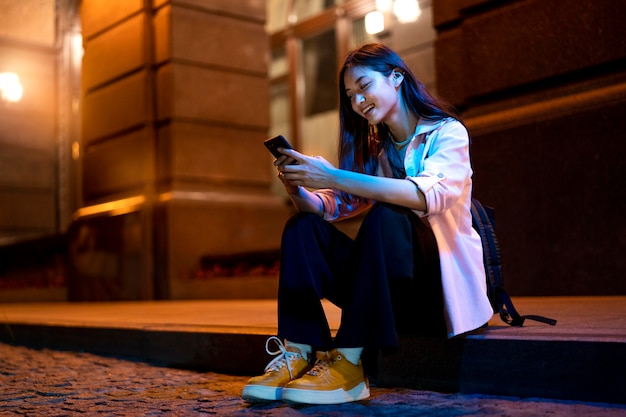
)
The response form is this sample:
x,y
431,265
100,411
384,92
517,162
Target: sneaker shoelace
x,y
284,358
324,361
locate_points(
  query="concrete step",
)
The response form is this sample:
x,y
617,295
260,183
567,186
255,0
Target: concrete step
x,y
582,358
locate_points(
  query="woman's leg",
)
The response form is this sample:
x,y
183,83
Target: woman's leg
x,y
383,252
314,255
418,302
396,281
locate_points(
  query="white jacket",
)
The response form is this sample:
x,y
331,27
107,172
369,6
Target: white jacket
x,y
437,162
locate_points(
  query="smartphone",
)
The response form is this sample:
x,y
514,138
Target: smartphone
x,y
279,141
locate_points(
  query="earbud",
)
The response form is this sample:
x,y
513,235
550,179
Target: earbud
x,y
397,77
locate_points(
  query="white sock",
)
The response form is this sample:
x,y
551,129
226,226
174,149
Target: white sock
x,y
305,350
351,354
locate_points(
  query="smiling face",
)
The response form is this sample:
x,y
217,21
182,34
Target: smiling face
x,y
372,94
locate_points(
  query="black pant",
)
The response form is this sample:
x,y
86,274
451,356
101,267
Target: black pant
x,y
387,281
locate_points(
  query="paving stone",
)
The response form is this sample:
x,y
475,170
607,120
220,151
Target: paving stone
x,y
46,383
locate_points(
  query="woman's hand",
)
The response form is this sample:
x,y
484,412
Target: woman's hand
x,y
296,169
291,188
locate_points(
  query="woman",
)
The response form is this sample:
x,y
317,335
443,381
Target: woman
x,y
415,265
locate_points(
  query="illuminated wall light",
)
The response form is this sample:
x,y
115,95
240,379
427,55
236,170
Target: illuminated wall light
x,y
10,87
75,151
77,44
406,10
374,22
383,5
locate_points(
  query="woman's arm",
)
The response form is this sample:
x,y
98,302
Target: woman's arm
x,y
396,191
306,201
317,173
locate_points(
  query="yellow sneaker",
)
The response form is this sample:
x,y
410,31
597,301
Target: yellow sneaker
x,y
287,366
333,380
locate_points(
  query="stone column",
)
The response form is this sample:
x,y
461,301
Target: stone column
x,y
175,109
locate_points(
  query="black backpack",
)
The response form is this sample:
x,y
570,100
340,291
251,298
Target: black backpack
x,y
484,223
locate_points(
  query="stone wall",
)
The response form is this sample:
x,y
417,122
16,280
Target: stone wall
x,y
542,84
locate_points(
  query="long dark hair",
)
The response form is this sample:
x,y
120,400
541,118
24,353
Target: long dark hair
x,y
360,143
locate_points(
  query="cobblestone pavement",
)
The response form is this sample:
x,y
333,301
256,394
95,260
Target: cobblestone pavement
x,y
52,383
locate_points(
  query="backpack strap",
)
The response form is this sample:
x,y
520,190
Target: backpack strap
x,y
484,222
484,225
509,314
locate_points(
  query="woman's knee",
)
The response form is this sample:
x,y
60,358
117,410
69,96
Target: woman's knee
x,y
302,219
304,226
384,214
